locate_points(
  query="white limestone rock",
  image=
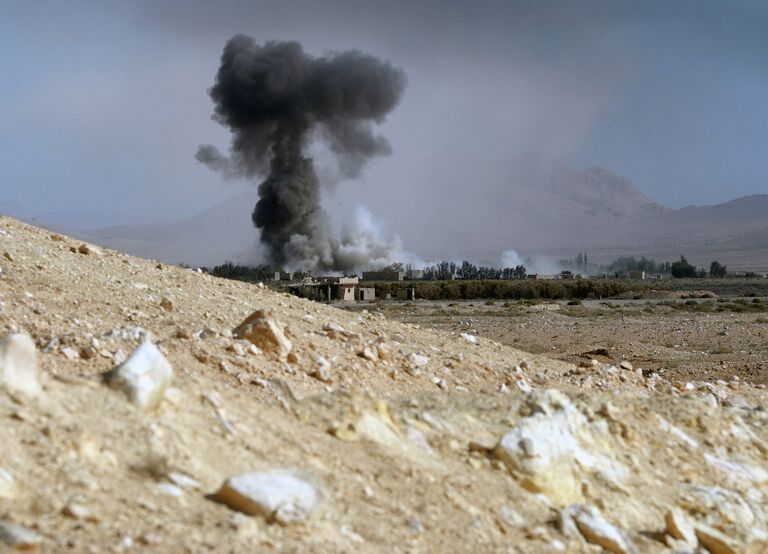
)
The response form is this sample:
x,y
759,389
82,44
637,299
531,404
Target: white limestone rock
x,y
8,487
263,330
717,542
18,538
679,526
275,495
18,364
417,360
597,530
143,377
550,451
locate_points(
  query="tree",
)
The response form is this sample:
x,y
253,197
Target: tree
x,y
717,270
682,269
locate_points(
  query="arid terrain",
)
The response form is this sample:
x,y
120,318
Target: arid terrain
x,y
365,434
681,339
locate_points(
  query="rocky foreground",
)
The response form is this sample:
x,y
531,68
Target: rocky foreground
x,y
154,408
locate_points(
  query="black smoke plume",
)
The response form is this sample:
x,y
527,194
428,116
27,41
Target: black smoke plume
x,y
276,99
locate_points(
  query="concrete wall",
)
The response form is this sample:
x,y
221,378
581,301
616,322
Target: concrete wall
x,y
383,275
366,293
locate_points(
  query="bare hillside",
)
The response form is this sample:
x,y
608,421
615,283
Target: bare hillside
x,y
336,431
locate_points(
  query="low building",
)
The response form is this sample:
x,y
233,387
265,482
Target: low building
x,y
365,294
407,293
414,274
343,288
327,289
638,275
383,275
284,276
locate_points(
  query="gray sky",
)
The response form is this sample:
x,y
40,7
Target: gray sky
x,y
103,104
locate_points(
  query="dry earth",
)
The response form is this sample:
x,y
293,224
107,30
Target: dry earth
x,y
683,340
404,439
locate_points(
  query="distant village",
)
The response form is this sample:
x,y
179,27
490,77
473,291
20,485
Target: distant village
x,y
352,288
467,280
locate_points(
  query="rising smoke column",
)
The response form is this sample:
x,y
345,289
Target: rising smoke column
x,y
276,99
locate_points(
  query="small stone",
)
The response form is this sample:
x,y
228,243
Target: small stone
x,y
166,304
83,249
511,517
413,371
471,339
596,530
169,490
19,538
384,351
368,354
523,385
87,352
120,356
414,525
8,256
715,541
18,364
264,331
150,539
237,348
144,377
70,353
77,511
8,488
417,360
679,526
625,365
275,495
292,358
183,334
322,374
182,480
542,449
333,329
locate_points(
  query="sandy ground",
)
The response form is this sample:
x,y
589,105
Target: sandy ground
x,y
400,434
692,341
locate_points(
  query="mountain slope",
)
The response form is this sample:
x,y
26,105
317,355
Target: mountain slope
x,y
221,233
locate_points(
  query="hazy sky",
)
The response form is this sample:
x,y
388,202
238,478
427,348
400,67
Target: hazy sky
x,y
103,104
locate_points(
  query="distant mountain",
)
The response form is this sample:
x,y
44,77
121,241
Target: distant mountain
x,y
537,206
735,233
221,233
598,191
